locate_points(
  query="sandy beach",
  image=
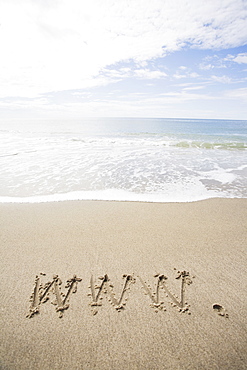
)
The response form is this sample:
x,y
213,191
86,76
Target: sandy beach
x,y
150,285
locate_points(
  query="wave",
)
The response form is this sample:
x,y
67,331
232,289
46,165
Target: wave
x,y
199,193
165,141
211,145
178,140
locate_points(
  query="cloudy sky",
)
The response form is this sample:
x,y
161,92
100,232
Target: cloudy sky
x,y
134,58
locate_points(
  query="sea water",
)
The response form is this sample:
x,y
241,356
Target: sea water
x,y
153,160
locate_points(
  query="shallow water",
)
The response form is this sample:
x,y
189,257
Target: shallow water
x,y
123,159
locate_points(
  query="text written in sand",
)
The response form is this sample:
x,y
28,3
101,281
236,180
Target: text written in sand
x,y
42,292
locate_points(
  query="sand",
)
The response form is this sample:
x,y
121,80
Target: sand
x,y
151,286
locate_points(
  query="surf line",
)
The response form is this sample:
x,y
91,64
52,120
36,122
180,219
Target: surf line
x,y
103,287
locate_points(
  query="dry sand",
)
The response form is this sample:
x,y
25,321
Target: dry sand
x,y
91,239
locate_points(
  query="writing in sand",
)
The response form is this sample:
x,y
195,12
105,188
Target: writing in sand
x,y
103,287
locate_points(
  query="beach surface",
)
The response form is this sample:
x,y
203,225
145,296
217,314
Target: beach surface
x,y
159,259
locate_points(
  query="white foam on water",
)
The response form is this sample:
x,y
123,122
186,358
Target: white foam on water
x,y
221,175
129,166
173,194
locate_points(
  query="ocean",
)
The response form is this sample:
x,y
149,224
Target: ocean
x,y
132,159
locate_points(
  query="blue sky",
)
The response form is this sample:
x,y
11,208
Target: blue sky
x,y
121,58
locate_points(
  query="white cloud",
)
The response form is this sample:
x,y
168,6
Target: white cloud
x,y
193,75
61,45
240,58
184,95
142,73
148,74
179,102
237,93
178,75
198,87
222,79
206,67
211,62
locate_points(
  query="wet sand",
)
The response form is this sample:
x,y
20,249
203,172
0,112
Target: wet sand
x,y
133,285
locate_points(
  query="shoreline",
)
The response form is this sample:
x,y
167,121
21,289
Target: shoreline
x,y
92,239
35,200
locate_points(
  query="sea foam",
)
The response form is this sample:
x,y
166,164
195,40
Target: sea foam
x,y
145,160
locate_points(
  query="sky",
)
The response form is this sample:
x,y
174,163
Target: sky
x,y
123,58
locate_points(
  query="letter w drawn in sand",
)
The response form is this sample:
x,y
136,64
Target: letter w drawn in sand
x,y
107,288
41,294
161,284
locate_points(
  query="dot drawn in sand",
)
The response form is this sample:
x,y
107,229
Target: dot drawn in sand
x,y
220,310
